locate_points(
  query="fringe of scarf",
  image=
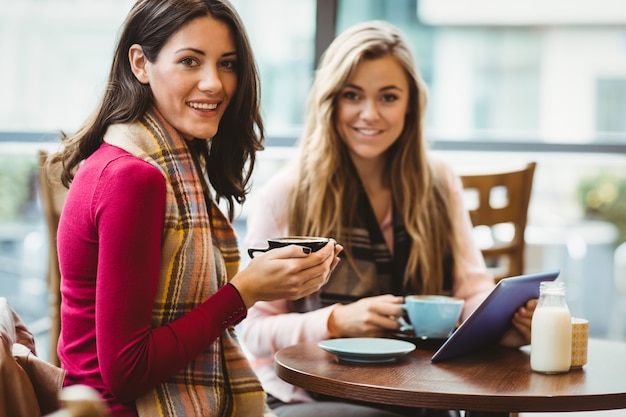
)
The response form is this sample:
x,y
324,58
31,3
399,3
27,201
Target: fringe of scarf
x,y
199,255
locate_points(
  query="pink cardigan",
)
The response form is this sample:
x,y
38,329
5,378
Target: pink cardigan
x,y
270,326
109,242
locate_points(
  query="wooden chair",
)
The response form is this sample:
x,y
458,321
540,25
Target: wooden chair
x,y
52,199
500,212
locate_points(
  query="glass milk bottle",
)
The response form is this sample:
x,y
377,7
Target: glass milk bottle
x,y
551,336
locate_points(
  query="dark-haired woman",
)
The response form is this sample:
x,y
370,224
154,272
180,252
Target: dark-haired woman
x,y
150,283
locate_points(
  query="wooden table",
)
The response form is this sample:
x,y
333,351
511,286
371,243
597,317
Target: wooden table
x,y
496,379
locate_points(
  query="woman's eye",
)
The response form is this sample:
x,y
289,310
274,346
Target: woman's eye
x,y
230,64
188,62
350,95
389,98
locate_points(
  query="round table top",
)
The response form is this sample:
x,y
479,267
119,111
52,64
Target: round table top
x,y
494,379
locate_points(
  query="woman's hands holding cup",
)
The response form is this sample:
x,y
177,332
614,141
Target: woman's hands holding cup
x,y
289,272
367,317
377,316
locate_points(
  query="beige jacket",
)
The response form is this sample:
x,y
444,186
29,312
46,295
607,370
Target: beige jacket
x,y
29,386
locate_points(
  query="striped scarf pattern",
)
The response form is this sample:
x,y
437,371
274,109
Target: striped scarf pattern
x,y
373,270
199,255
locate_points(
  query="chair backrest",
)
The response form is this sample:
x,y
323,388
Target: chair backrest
x,y
53,195
500,212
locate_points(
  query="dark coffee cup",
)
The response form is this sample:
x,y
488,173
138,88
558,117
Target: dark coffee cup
x,y
312,242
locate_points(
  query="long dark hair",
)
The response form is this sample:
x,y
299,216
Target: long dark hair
x,y
230,157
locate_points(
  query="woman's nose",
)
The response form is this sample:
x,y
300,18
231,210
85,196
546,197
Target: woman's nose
x,y
370,110
210,81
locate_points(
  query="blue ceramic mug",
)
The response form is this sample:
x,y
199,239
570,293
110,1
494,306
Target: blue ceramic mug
x,y
432,316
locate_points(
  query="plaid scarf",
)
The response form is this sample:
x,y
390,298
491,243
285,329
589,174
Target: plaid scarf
x,y
199,254
379,272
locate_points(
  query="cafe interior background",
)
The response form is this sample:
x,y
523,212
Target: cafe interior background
x,y
509,82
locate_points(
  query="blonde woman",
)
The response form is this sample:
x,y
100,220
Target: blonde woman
x,y
365,177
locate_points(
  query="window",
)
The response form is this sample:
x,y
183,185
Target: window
x,y
611,105
282,34
56,57
501,76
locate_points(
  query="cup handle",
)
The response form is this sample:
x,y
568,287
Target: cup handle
x,y
252,251
404,325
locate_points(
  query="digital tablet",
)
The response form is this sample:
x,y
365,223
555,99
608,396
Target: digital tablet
x,y
492,318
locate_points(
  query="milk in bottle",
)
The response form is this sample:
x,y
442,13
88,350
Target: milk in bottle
x,y
551,333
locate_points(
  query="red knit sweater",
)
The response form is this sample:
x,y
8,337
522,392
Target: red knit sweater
x,y
109,243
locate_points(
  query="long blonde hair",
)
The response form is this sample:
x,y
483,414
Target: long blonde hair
x,y
326,197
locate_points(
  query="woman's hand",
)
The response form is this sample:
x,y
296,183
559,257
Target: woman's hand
x,y
289,272
519,335
367,317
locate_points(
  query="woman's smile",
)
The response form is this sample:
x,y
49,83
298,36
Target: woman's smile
x,y
202,106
